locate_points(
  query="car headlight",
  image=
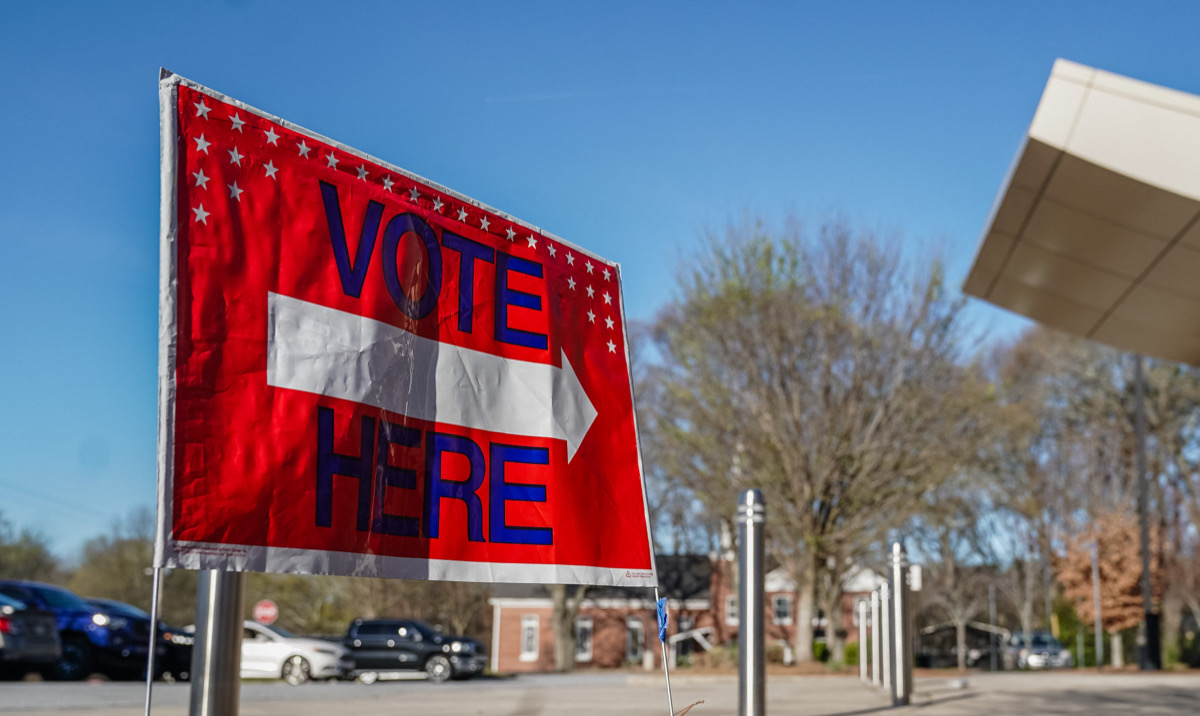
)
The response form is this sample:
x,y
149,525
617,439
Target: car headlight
x,y
100,619
456,646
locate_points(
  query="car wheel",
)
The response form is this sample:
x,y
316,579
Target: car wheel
x,y
76,660
296,670
367,678
438,668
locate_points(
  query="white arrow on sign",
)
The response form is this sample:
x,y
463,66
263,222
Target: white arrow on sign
x,y
322,350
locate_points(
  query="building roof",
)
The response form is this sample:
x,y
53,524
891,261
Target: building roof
x,y
1096,229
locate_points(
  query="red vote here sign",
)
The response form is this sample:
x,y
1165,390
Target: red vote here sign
x,y
365,373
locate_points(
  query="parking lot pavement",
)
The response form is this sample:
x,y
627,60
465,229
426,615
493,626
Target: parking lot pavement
x,y
620,693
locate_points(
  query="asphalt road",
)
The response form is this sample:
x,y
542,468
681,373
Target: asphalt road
x,y
619,693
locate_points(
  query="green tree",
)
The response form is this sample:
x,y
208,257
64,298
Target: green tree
x,y
26,554
825,370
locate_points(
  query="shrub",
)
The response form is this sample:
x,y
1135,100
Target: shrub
x,y
821,651
852,653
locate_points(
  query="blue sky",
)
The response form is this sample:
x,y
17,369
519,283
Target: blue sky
x,y
624,128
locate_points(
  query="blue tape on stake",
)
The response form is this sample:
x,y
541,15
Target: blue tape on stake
x,y
662,619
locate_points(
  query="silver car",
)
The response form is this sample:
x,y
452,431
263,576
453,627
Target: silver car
x,y
1043,651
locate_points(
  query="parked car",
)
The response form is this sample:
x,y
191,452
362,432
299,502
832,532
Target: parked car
x,y
383,648
28,638
90,638
173,655
271,652
1042,652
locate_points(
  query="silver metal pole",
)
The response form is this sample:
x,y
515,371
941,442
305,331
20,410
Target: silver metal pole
x,y
876,677
1148,656
903,639
862,640
1079,646
885,634
662,643
992,622
752,674
154,587
1096,605
217,652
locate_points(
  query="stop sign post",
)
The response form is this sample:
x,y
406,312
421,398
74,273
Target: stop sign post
x,y
266,611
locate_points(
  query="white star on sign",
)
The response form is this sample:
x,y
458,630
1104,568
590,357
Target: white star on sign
x,y
362,172
234,157
304,148
605,274
237,121
270,168
462,215
201,215
332,160
607,298
201,180
550,248
387,183
532,242
483,223
570,259
272,137
510,233
591,316
591,293
202,109
414,194
437,205
235,192
589,266
201,145
608,322
612,347
571,283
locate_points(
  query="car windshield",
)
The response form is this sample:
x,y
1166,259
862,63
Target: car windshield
x,y
59,598
427,632
118,608
1041,641
280,631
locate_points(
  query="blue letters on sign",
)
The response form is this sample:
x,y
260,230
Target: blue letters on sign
x,y
354,274
506,297
502,491
330,463
391,476
470,252
400,225
436,488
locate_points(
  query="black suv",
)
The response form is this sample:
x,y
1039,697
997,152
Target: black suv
x,y
384,647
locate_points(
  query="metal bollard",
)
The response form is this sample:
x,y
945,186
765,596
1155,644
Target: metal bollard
x,y
876,677
217,652
752,672
862,640
902,682
885,635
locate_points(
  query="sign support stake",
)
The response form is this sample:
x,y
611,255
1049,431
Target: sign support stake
x,y
217,652
752,672
154,592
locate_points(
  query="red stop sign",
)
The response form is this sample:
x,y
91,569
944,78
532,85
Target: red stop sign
x,y
266,611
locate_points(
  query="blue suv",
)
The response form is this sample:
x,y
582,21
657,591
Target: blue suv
x,y
91,639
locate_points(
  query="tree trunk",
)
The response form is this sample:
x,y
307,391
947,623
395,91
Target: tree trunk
x,y
562,621
805,608
960,643
1117,649
1172,622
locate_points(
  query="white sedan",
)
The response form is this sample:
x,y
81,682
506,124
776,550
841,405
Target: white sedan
x,y
270,652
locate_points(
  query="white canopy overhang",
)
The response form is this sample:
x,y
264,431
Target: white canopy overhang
x,y
1095,229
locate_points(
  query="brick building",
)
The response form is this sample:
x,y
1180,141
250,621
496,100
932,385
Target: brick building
x,y
616,626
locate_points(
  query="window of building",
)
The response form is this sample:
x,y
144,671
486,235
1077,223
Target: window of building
x,y
529,637
635,637
731,609
781,607
583,639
